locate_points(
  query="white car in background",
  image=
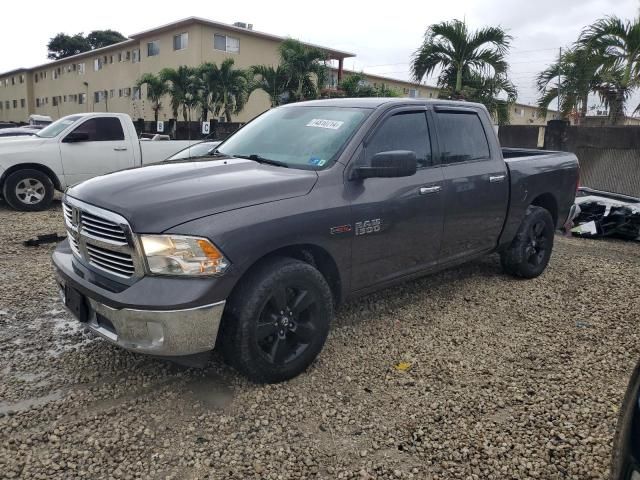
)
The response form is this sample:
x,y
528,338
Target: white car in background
x,y
71,150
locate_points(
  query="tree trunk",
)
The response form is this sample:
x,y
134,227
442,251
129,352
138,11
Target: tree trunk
x,y
156,111
583,109
227,114
205,114
459,79
616,109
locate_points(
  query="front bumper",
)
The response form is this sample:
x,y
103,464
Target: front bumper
x,y
189,329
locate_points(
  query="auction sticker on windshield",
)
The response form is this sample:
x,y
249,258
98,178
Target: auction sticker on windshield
x,y
320,123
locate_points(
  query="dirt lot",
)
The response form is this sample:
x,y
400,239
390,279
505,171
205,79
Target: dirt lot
x,y
506,379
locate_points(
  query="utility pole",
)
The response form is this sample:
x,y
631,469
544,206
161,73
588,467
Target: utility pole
x,y
559,80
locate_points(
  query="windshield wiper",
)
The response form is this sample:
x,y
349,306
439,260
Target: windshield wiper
x,y
260,159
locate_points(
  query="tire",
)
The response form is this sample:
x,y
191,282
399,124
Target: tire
x,y
530,251
262,343
28,190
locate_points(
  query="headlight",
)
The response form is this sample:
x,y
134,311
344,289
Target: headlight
x,y
182,255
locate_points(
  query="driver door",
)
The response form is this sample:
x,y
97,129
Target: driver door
x,y
397,222
99,147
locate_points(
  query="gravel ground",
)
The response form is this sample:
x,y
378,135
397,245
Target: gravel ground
x,y
504,379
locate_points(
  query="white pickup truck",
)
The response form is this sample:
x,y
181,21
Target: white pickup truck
x,y
70,150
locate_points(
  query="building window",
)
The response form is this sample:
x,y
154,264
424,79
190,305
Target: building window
x,y
21,78
135,55
110,58
23,103
54,74
54,101
82,98
136,93
112,92
13,80
81,69
37,102
64,99
226,44
128,55
120,56
97,64
7,105
180,41
124,92
15,104
412,92
153,48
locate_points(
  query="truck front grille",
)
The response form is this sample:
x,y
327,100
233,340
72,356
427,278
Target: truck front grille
x,y
101,239
119,263
101,228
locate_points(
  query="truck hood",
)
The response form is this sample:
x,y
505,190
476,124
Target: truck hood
x,y
158,197
9,145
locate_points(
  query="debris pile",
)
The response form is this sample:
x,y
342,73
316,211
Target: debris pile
x,y
601,214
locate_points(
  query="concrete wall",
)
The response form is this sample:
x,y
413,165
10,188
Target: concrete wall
x,y
609,156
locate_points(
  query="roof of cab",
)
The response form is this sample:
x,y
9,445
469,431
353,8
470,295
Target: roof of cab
x,y
375,102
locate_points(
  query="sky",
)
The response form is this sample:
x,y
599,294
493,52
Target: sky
x,y
382,35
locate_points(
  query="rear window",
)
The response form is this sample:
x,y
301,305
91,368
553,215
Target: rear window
x,y
462,137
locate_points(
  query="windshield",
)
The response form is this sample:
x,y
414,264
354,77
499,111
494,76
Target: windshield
x,y
299,136
197,150
58,126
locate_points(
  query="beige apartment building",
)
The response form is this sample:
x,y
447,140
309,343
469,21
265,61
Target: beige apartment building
x,y
104,79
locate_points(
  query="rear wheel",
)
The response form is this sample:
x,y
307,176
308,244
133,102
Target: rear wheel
x,y
28,190
530,251
277,321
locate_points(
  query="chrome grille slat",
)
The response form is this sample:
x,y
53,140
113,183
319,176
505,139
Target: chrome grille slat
x,y
111,268
123,262
99,234
101,238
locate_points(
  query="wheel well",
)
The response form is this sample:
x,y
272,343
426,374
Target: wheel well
x,y
33,166
548,202
313,255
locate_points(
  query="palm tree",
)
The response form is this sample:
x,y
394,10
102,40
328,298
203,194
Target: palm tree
x,y
273,81
179,81
616,43
459,53
156,89
207,78
576,75
302,63
232,89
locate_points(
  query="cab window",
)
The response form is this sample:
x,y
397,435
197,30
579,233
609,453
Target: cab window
x,y
403,131
106,129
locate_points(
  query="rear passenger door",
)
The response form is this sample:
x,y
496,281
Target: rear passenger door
x,y
397,222
105,150
476,184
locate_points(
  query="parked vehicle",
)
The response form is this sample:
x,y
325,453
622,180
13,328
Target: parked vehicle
x,y
70,150
39,120
308,205
17,132
625,461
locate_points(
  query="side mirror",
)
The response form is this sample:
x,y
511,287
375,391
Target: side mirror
x,y
75,137
395,163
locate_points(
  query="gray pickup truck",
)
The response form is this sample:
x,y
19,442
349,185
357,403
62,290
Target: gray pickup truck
x,y
252,246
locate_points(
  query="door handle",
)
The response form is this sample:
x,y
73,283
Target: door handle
x,y
119,149
428,190
497,178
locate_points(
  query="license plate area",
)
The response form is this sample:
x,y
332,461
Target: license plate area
x,y
76,303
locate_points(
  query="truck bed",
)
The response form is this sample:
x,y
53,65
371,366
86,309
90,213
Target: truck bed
x,y
532,172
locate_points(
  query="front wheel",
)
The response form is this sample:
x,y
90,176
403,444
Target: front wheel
x,y
277,321
530,251
28,190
